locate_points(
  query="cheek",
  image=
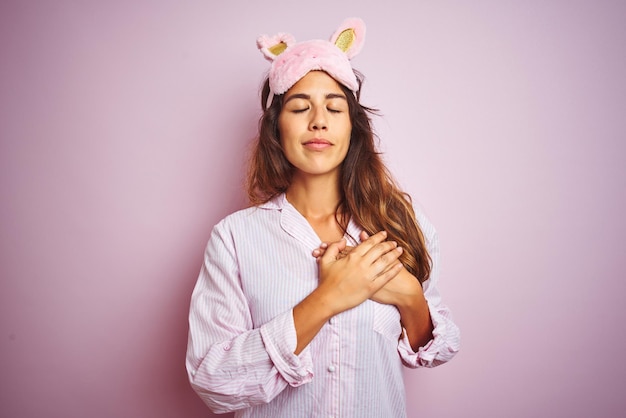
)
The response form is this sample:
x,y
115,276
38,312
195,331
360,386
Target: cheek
x,y
280,126
348,133
284,135
348,139
284,130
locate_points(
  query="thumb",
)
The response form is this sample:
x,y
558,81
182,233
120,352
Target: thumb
x,y
333,251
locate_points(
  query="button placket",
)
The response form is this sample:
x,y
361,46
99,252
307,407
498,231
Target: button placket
x,y
332,367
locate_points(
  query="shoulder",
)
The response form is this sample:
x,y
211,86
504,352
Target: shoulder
x,y
251,217
427,227
243,227
242,218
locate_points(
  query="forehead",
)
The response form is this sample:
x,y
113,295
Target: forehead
x,y
315,82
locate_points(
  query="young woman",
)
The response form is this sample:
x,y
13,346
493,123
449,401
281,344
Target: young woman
x,y
309,302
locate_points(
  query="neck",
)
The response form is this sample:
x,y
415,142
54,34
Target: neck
x,y
314,197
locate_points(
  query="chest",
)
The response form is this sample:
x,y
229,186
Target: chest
x,y
276,272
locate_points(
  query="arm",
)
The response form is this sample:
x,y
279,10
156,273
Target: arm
x,y
445,341
406,294
231,364
430,336
346,282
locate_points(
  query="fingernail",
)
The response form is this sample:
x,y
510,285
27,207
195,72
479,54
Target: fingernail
x,y
399,249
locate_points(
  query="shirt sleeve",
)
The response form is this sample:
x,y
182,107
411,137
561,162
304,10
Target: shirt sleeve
x,y
231,364
446,335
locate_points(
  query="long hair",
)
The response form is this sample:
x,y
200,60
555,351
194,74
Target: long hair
x,y
369,194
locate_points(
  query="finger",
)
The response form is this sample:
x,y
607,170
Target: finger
x,y
319,251
370,242
376,252
345,252
363,236
387,260
387,275
332,251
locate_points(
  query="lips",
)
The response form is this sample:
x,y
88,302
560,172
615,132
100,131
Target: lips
x,y
317,144
318,141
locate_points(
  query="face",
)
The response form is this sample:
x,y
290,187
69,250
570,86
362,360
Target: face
x,y
315,126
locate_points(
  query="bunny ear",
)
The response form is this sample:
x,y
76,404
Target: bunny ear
x,y
350,36
273,46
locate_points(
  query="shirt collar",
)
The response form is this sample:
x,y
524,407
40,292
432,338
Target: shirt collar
x,y
280,202
277,202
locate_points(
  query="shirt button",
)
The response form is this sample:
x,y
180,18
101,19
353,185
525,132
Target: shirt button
x,y
331,368
331,321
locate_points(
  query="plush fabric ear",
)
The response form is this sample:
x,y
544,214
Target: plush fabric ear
x,y
350,36
273,46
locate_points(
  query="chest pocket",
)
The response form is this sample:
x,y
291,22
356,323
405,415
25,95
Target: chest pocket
x,y
387,321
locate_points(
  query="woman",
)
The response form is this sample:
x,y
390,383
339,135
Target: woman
x,y
287,319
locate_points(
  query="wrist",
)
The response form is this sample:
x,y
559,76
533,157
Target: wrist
x,y
413,296
413,304
323,304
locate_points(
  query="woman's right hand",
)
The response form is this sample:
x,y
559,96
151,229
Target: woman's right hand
x,y
347,279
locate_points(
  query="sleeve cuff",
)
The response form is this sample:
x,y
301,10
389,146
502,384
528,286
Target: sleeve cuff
x,y
440,349
279,337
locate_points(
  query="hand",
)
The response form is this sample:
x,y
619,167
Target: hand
x,y
319,251
349,276
404,292
400,290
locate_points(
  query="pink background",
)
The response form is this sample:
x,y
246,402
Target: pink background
x,y
124,128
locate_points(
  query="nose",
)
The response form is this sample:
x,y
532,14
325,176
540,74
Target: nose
x,y
318,120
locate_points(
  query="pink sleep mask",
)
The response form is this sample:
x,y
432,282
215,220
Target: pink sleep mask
x,y
291,61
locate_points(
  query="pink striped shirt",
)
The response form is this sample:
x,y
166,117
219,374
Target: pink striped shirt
x,y
257,267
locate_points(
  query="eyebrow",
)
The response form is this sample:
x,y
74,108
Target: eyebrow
x,y
308,97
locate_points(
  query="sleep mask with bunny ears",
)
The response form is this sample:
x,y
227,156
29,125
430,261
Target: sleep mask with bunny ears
x,y
291,61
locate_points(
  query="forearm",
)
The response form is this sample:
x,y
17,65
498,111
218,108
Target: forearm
x,y
245,368
215,372
309,316
414,311
415,318
345,282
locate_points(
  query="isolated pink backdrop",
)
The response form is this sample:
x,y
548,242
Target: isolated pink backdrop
x,y
124,127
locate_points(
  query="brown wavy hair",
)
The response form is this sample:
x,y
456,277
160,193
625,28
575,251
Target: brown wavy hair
x,y
369,194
